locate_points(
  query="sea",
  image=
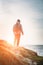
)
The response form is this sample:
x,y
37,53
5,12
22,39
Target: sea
x,y
37,48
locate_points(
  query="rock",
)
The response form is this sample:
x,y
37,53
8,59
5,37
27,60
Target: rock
x,y
10,55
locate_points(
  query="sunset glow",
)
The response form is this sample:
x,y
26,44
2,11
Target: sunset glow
x,y
31,20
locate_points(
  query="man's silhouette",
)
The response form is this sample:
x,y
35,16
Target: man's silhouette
x,y
17,29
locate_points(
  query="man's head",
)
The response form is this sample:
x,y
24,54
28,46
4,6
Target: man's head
x,y
18,21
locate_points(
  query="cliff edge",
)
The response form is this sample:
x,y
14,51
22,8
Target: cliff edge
x,y
10,55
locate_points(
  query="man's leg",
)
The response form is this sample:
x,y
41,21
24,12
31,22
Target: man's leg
x,y
15,40
18,40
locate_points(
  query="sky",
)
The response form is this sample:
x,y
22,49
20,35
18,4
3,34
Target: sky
x,y
30,12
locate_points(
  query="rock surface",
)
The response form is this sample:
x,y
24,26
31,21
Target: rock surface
x,y
10,55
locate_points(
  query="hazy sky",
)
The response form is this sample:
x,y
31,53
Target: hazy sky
x,y
30,12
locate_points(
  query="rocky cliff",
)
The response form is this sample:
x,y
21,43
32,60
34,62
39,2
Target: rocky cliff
x,y
10,55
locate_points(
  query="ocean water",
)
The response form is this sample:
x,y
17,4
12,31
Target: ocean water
x,y
36,48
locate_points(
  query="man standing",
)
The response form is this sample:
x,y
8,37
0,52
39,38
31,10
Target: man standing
x,y
17,30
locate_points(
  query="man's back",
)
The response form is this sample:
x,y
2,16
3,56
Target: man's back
x,y
17,28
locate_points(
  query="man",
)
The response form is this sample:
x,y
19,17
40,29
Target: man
x,y
17,29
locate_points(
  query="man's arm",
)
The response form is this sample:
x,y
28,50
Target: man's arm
x,y
22,30
14,28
